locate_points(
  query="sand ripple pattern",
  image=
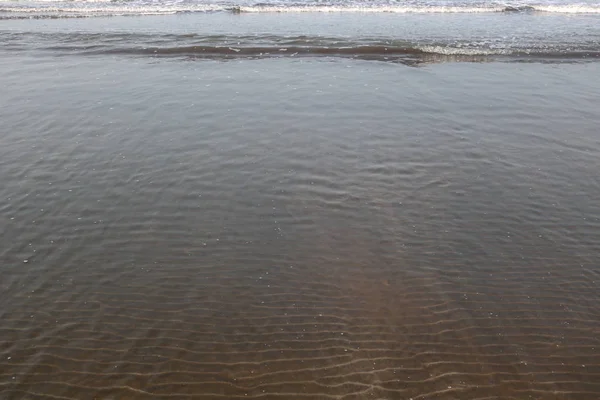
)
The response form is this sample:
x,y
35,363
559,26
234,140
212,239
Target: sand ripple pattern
x,y
283,332
292,331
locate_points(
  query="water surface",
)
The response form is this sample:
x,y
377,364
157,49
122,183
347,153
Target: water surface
x,y
324,226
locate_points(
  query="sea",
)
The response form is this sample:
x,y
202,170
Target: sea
x,y
294,200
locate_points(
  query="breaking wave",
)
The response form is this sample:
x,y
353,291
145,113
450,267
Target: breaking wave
x,y
105,8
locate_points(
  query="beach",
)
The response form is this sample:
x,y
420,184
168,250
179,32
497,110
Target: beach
x,y
299,205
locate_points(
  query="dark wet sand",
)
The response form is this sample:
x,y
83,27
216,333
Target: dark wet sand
x,y
298,229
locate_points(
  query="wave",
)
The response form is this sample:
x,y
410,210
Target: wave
x,y
220,47
108,11
109,8
378,52
570,9
365,9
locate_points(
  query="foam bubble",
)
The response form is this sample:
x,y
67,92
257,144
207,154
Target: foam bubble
x,y
462,51
145,7
570,9
366,9
113,10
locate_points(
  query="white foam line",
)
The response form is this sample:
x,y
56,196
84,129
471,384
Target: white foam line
x,y
570,9
88,8
112,10
367,9
61,1
453,51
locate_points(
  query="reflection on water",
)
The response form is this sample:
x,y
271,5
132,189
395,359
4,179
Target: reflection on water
x,y
298,229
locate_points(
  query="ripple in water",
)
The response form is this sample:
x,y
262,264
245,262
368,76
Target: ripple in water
x,y
322,228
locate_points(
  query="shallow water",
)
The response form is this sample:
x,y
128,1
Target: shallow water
x,y
281,227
